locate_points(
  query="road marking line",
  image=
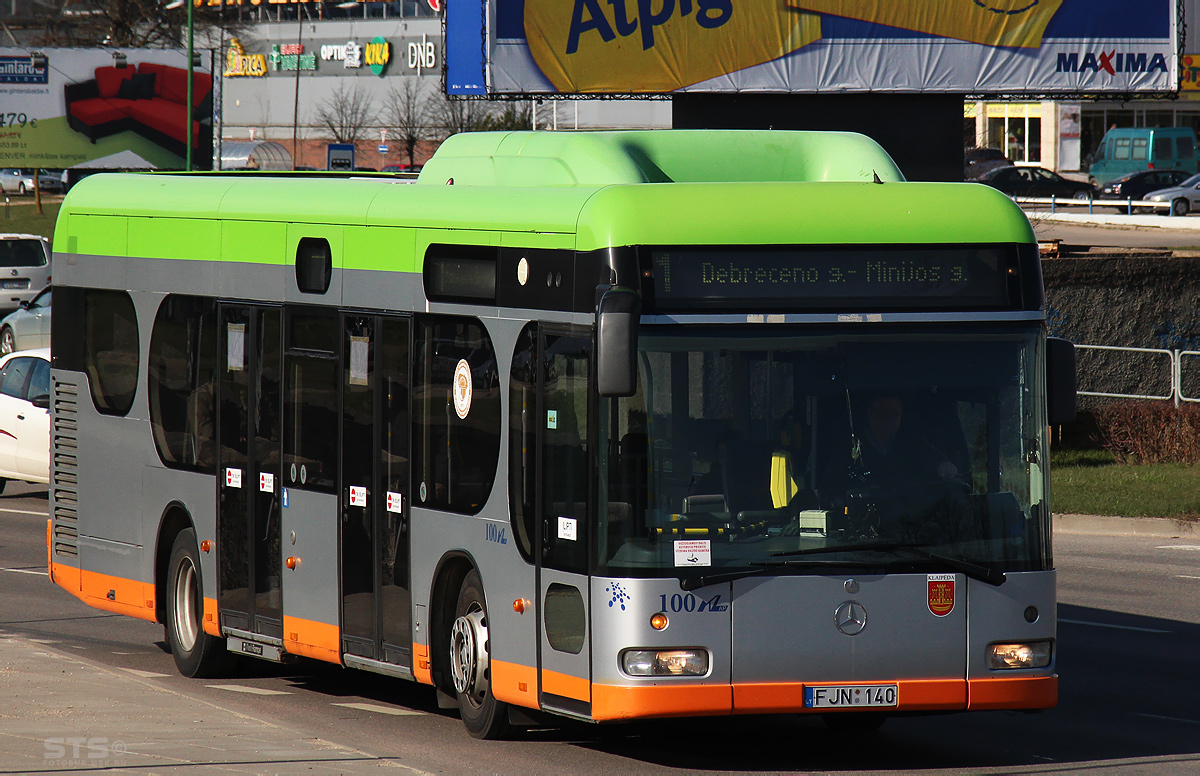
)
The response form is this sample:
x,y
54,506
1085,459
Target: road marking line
x,y
1178,547
1172,719
1118,627
1185,576
26,571
381,709
24,512
144,674
250,690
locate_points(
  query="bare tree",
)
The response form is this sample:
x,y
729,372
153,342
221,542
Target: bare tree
x,y
345,114
121,23
454,116
511,115
407,113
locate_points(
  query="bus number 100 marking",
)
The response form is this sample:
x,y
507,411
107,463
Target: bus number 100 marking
x,y
690,603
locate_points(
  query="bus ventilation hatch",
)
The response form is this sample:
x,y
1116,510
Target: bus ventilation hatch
x,y
64,476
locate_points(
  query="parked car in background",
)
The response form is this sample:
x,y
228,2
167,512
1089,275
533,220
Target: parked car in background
x,y
1035,182
27,328
1136,185
1184,198
977,161
24,268
1130,149
19,181
25,417
401,168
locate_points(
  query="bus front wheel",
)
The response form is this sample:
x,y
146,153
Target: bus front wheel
x,y
196,653
470,664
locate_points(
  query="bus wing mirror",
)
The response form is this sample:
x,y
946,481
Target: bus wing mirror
x,y
616,341
1060,378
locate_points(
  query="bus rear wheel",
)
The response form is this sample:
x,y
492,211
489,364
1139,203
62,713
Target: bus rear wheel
x,y
196,653
470,664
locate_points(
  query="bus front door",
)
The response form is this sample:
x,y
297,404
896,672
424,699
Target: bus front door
x,y
565,491
249,476
374,490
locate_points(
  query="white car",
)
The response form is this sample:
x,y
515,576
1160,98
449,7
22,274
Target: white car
x,y
27,328
25,416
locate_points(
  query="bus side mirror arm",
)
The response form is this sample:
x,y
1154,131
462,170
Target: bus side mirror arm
x,y
1060,379
617,318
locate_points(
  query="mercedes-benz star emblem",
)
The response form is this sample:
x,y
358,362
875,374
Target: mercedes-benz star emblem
x,y
850,618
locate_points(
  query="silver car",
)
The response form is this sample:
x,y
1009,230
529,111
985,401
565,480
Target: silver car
x,y
19,181
24,268
1183,198
27,328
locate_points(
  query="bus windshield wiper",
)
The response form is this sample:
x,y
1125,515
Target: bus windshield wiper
x,y
970,568
694,583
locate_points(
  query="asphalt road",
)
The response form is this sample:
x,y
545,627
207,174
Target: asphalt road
x,y
1128,636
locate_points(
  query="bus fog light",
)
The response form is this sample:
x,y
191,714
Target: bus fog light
x,y
664,662
1034,654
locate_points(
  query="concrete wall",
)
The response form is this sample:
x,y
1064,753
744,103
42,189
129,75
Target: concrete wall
x,y
1129,302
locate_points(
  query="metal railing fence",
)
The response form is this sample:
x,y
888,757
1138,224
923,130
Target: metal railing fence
x,y
1174,364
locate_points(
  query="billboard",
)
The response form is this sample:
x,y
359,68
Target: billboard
x,y
1010,47
103,108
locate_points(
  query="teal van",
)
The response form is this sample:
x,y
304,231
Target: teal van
x,y
1133,149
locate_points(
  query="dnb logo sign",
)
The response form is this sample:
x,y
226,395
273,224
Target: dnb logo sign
x,y
941,594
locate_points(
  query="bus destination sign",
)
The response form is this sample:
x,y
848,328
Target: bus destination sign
x,y
833,277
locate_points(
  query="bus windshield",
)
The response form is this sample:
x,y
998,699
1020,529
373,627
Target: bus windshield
x,y
758,448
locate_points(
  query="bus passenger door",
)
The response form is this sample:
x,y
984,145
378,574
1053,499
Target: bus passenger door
x,y
564,493
374,490
249,474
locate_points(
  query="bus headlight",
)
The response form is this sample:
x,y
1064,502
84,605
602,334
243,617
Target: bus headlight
x,y
665,662
1034,654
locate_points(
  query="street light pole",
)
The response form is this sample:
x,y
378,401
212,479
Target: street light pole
x,y
191,66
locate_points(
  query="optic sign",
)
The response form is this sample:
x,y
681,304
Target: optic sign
x,y
376,54
960,46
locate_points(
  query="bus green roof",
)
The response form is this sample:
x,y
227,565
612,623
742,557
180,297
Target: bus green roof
x,y
603,188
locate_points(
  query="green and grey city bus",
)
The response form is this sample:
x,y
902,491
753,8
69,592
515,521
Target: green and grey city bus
x,y
578,423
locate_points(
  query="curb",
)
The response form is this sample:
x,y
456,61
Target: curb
x,y
1125,526
1114,219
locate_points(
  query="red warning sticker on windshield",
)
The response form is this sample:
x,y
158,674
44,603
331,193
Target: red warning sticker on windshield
x,y
941,594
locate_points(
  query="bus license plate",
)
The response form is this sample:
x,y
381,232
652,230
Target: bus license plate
x,y
850,696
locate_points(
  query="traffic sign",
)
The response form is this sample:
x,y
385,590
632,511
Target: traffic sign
x,y
382,149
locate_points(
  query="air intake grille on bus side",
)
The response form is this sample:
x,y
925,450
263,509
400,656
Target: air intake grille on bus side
x,y
64,468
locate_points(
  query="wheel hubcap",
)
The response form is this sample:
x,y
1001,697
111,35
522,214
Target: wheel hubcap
x,y
469,657
186,629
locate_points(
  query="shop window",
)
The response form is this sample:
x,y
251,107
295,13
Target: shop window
x,y
456,414
110,349
181,374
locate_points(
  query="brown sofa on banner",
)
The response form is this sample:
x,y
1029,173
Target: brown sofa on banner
x,y
150,99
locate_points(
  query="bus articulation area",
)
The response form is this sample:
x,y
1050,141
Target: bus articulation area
x,y
577,423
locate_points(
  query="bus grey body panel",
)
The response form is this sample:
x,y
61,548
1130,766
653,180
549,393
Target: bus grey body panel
x,y
191,491
310,591
900,636
1006,619
621,612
